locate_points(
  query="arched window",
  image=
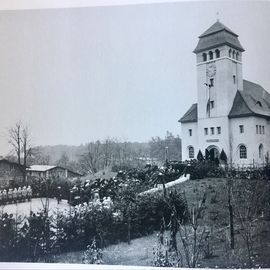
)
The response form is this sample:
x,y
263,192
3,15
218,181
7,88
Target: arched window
x,y
237,56
260,151
210,55
243,151
233,54
230,53
204,55
217,51
191,152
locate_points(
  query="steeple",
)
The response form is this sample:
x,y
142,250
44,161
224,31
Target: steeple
x,y
217,35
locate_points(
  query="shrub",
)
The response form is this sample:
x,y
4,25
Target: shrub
x,y
164,256
200,156
93,254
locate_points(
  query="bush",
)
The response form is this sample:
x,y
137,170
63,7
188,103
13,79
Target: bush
x,y
200,170
93,254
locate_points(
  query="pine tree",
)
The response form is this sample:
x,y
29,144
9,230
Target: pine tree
x,y
200,156
223,156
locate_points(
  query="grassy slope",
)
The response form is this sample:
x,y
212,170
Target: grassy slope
x,y
140,252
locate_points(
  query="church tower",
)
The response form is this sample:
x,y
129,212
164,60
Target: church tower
x,y
232,115
219,70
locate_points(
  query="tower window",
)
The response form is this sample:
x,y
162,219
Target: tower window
x,y
204,55
230,53
241,129
257,129
262,129
212,104
190,132
234,79
191,152
205,131
233,54
260,151
211,82
210,55
217,51
237,56
243,151
212,131
218,130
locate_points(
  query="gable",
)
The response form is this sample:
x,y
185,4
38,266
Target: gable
x,y
191,115
239,107
254,100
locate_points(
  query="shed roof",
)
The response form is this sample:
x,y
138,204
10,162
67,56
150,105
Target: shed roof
x,y
40,168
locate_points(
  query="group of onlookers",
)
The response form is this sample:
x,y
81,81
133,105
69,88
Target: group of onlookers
x,y
15,195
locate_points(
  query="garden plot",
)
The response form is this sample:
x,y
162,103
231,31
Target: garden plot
x,y
35,205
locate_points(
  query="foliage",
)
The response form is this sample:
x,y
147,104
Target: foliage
x,y
164,256
93,254
200,170
200,157
40,236
223,156
7,235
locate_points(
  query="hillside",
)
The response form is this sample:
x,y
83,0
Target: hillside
x,y
215,218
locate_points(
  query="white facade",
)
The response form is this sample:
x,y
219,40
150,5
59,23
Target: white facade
x,y
217,124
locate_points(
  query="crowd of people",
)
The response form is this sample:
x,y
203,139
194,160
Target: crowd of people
x,y
15,195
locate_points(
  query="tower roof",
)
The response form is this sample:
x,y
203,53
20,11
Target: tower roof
x,y
218,34
217,27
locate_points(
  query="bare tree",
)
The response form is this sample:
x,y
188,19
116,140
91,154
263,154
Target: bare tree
x,y
249,204
108,152
15,140
89,160
64,160
38,157
20,141
26,144
230,206
193,233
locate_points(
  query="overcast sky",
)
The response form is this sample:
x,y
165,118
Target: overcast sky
x,y
77,75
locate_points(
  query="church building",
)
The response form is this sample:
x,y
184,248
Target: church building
x,y
231,114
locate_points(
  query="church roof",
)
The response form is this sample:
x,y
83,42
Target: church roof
x,y
191,115
218,34
254,100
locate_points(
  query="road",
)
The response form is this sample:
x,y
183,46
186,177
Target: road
x,y
23,209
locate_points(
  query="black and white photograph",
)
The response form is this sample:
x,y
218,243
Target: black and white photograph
x,y
135,134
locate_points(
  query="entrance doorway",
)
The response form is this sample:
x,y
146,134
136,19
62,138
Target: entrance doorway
x,y
213,151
